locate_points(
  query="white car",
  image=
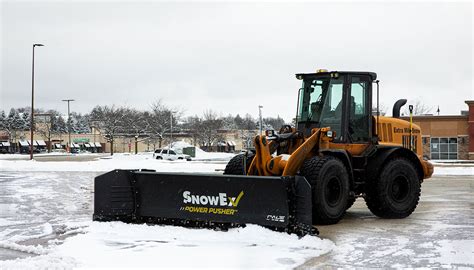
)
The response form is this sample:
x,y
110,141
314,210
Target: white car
x,y
170,155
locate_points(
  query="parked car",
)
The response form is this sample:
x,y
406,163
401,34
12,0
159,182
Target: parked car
x,y
170,155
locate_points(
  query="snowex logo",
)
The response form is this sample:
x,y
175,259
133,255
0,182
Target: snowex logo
x,y
221,204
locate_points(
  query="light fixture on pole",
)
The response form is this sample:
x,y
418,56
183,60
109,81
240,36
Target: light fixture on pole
x,y
68,123
32,99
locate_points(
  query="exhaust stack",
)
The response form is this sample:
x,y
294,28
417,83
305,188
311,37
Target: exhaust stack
x,y
397,106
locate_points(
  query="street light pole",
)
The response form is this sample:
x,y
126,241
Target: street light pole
x,y
32,99
136,144
69,123
171,130
260,116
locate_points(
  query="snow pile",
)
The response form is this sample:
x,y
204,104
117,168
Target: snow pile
x,y
201,154
118,245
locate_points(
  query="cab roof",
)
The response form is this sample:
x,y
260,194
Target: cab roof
x,y
372,75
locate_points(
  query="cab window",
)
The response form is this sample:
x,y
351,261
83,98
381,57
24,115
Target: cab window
x,y
331,115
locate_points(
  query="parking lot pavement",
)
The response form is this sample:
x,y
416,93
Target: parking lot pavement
x,y
440,232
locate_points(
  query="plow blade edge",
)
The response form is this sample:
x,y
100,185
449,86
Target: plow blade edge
x,y
204,200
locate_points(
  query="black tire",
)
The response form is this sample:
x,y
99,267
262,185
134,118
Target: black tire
x,y
330,188
396,192
236,165
159,157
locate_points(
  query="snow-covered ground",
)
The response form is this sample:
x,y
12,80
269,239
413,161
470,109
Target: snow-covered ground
x,y
117,245
46,211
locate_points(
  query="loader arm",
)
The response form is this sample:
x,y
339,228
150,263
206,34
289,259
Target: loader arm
x,y
265,165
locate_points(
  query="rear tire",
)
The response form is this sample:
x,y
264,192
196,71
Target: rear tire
x,y
330,188
396,192
236,165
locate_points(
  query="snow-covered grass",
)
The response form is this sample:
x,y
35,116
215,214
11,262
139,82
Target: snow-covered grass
x,y
118,245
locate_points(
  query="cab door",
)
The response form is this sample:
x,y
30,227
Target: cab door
x,y
359,109
357,125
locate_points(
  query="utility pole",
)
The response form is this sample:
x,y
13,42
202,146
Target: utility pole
x,y
260,116
69,123
32,116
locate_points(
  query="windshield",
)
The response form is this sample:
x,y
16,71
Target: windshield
x,y
320,97
320,102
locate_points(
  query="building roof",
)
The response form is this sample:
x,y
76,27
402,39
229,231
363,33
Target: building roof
x,y
436,117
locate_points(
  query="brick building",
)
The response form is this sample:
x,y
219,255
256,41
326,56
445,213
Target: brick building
x,y
448,136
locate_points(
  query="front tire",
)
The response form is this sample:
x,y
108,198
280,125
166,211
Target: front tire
x,y
236,165
330,188
396,192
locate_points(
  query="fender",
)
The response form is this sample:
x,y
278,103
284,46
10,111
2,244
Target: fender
x,y
386,153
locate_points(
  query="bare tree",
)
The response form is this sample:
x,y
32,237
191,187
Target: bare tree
x,y
207,129
419,108
228,122
136,124
192,124
159,120
52,123
110,121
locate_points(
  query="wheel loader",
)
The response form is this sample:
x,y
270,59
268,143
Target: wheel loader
x,y
339,149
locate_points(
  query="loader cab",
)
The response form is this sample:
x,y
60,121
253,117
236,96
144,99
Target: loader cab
x,y
340,100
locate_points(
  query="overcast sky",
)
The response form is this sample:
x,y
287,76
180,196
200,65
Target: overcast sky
x,y
230,57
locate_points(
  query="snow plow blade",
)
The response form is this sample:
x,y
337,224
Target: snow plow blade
x,y
204,200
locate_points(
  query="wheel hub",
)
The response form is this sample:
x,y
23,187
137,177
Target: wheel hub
x,y
333,191
400,188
